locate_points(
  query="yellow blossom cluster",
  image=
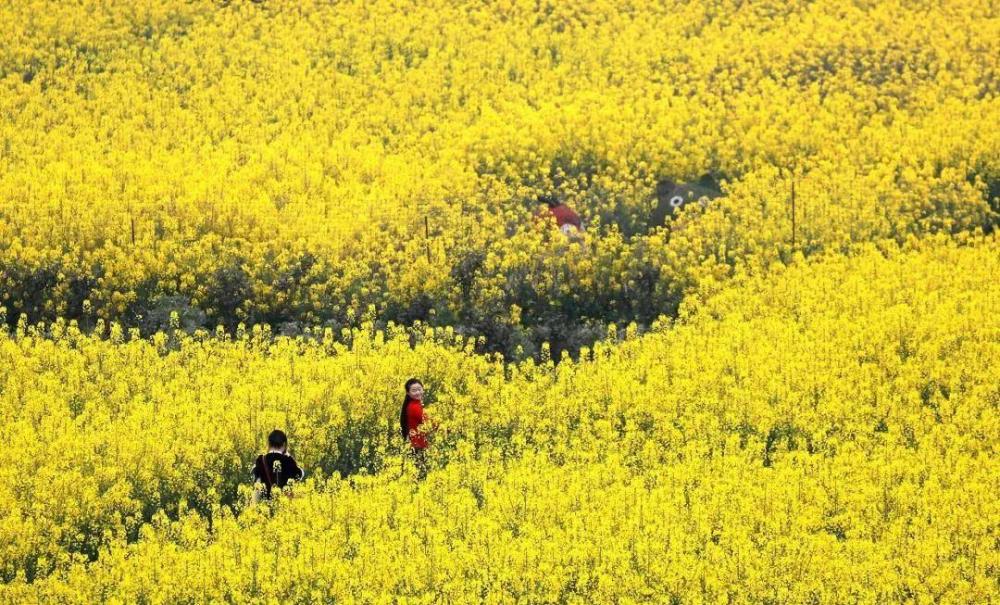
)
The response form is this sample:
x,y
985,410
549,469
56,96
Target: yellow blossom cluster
x,y
824,433
296,162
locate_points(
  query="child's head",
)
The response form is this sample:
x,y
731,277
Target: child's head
x,y
548,199
277,440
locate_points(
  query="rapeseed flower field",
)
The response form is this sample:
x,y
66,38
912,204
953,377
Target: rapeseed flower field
x,y
222,218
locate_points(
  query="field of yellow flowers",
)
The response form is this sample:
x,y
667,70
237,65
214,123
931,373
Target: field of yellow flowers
x,y
222,217
294,163
828,434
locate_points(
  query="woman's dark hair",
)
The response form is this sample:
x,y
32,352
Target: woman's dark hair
x,y
406,401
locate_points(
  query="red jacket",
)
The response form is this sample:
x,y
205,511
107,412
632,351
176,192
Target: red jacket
x,y
414,418
565,216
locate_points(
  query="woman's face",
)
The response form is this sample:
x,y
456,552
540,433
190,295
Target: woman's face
x,y
416,391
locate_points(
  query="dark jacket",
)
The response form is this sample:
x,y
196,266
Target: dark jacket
x,y
280,469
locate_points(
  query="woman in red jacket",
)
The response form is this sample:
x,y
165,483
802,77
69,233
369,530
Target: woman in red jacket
x,y
411,419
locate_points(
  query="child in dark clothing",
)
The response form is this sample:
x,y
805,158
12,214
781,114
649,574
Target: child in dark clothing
x,y
276,467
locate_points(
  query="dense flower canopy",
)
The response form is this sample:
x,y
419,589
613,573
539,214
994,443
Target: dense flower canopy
x,y
830,431
294,163
218,218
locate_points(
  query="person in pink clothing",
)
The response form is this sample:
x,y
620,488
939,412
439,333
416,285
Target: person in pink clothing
x,y
414,423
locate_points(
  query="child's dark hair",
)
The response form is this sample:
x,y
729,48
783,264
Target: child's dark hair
x,y
548,199
277,439
406,402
